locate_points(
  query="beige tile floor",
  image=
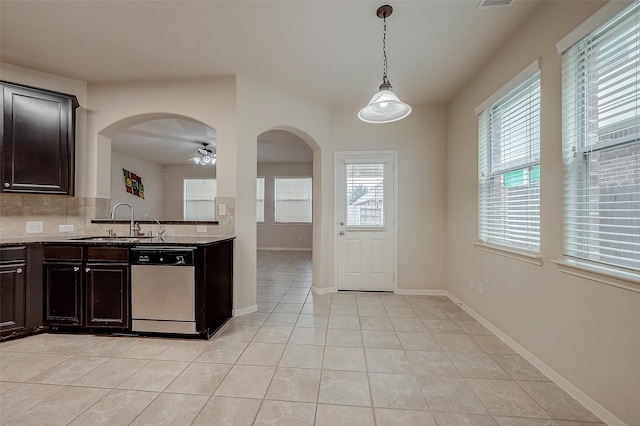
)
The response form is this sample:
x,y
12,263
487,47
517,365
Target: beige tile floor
x,y
302,359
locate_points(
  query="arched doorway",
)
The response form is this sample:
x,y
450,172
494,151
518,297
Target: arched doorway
x,y
164,152
284,213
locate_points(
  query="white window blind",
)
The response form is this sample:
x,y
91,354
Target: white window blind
x,y
200,199
260,199
601,143
509,168
365,194
293,199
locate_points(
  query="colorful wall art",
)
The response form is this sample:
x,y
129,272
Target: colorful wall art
x,y
133,183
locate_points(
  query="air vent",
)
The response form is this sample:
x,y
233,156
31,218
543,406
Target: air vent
x,y
485,4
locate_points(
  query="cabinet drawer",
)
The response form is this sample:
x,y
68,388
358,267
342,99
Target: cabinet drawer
x,y
62,253
110,254
12,254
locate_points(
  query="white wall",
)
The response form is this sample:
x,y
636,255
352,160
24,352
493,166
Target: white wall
x,y
211,101
420,140
152,178
584,330
272,235
262,108
174,176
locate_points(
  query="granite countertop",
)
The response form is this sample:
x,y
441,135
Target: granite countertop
x,y
104,240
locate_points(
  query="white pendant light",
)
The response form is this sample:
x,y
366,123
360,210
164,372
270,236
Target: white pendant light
x,y
385,106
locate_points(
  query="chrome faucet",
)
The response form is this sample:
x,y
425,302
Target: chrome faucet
x,y
132,225
161,230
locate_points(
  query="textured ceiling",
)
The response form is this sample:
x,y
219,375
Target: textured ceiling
x,y
328,52
175,141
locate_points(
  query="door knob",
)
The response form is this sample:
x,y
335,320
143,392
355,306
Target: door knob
x,y
19,271
341,232
87,269
76,269
341,223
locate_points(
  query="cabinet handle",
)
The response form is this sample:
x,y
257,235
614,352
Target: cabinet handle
x,y
87,269
19,271
76,269
7,184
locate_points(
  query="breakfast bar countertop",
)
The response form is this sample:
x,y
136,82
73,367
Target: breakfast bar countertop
x,y
105,240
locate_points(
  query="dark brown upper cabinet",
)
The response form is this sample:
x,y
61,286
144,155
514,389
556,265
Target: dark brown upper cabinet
x,y
37,141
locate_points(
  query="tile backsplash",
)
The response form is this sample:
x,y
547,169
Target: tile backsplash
x,y
55,210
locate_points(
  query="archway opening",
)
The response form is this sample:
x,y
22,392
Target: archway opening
x,y
156,163
285,199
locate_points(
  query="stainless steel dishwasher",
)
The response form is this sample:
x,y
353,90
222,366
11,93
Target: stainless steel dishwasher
x,y
163,290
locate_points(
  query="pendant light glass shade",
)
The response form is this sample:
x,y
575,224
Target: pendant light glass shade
x,y
384,106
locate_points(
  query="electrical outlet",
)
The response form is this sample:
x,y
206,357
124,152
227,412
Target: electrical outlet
x,y
480,288
472,283
35,227
222,210
65,228
201,228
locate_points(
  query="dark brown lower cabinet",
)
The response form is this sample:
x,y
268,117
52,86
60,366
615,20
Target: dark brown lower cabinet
x,y
63,293
86,287
12,297
20,290
107,295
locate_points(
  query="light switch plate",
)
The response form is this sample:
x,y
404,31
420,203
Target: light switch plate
x,y
35,227
201,228
480,288
222,210
472,283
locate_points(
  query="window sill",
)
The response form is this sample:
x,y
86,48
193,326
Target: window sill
x,y
625,280
528,257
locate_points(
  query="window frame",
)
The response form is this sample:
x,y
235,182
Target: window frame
x,y
585,243
258,200
528,84
185,200
309,200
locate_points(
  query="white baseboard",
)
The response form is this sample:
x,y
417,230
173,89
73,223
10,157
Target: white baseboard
x,y
405,292
284,248
323,290
421,292
584,399
244,311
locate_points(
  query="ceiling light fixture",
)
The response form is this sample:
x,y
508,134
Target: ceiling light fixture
x,y
384,107
204,156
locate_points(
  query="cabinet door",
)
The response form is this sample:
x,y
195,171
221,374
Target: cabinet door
x,y
37,141
63,293
12,298
107,295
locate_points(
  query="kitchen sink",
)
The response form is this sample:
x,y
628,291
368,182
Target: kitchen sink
x,y
110,239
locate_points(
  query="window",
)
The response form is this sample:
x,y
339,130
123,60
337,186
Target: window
x,y
365,194
509,165
293,199
260,199
200,199
601,143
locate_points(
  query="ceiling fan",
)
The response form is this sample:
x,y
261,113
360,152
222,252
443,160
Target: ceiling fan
x,y
204,156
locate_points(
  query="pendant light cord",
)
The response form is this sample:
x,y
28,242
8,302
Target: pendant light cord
x,y
384,50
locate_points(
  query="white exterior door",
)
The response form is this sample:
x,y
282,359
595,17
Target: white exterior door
x,y
365,223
